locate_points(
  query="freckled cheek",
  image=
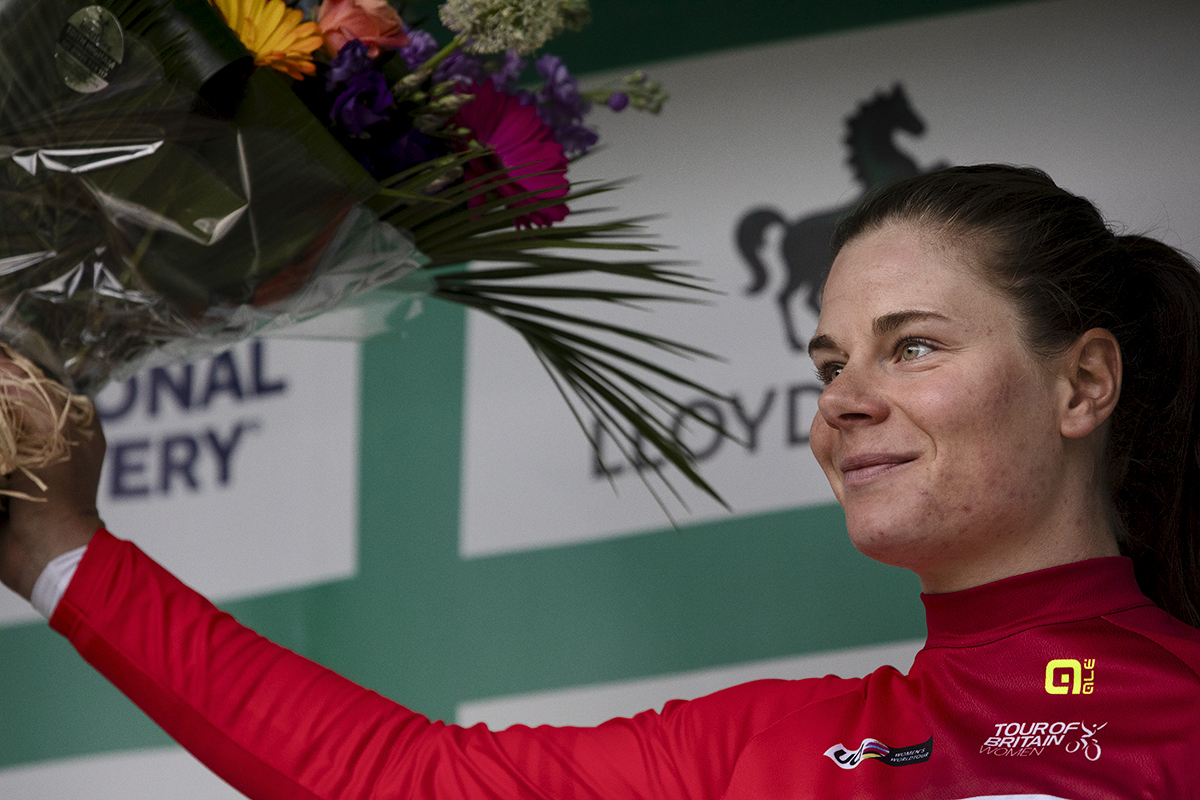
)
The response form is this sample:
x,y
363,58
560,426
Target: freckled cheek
x,y
1014,423
968,423
989,439
973,408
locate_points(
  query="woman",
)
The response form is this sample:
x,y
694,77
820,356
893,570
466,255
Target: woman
x,y
1010,404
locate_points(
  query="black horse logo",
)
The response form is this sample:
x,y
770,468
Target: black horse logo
x,y
875,159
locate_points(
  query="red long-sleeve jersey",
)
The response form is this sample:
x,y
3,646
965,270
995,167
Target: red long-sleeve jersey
x,y
1062,683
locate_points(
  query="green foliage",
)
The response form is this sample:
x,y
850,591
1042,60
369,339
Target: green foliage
x,y
481,261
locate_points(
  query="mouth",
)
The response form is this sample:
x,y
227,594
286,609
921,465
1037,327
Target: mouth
x,y
863,469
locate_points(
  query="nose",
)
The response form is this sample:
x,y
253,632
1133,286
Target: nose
x,y
852,399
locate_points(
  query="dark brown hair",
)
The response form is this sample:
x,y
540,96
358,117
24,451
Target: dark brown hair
x,y
1052,253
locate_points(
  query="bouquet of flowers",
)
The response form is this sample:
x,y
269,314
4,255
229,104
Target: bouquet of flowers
x,y
180,174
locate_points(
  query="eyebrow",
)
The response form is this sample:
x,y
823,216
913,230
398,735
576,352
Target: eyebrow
x,y
882,326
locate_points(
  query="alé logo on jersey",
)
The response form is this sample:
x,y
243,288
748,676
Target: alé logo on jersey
x,y
875,749
1070,676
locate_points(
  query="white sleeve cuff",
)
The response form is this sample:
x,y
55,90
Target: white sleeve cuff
x,y
52,584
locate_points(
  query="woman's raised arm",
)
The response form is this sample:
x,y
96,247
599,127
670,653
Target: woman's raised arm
x,y
276,725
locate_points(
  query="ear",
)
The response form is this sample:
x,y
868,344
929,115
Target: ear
x,y
1092,369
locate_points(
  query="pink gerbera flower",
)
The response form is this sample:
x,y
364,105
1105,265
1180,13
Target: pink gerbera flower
x,y
524,146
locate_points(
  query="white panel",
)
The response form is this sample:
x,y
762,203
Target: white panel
x,y
247,482
591,705
137,775
1100,93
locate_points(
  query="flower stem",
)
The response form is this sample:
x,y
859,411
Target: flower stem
x,y
441,55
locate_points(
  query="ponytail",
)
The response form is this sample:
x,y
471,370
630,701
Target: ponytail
x,y
1154,438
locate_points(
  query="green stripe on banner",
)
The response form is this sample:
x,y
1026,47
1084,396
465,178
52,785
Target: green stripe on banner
x,y
425,627
636,33
54,705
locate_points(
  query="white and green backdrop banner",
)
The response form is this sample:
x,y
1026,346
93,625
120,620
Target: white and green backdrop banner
x,y
420,512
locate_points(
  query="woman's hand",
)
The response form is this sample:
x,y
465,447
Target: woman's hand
x,y
66,516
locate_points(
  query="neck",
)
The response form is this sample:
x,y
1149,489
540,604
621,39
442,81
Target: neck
x,y
978,572
1077,526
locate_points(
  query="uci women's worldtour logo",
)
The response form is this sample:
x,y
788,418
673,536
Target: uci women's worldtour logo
x,y
875,749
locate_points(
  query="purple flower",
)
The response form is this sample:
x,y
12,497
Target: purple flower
x,y
460,68
562,108
363,103
351,60
420,48
575,139
617,101
505,79
561,89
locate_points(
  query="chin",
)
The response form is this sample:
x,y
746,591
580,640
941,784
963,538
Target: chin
x,y
882,537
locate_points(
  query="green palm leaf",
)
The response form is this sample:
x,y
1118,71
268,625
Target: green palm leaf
x,y
481,261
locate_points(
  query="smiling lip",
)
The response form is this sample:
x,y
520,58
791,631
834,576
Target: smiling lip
x,y
865,468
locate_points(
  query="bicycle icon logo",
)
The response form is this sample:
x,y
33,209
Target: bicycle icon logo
x,y
1086,743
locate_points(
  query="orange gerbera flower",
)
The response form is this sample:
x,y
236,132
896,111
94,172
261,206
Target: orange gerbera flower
x,y
276,35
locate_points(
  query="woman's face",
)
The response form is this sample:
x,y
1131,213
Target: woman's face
x,y
938,430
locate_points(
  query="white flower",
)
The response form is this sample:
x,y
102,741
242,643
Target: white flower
x,y
493,26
